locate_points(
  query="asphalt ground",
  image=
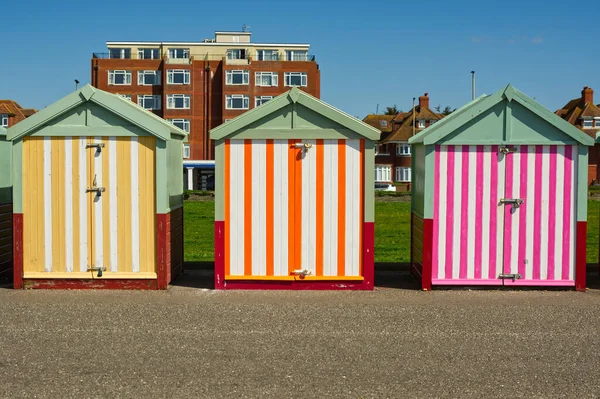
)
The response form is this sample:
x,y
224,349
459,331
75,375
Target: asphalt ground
x,y
394,342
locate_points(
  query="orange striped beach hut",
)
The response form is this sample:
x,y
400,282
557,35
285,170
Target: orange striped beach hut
x,y
97,195
294,197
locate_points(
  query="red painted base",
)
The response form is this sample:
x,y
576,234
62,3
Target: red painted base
x,y
580,259
162,251
421,246
368,269
18,251
91,284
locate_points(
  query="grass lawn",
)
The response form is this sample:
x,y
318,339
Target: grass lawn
x,y
392,231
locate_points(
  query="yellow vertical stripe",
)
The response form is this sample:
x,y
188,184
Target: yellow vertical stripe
x,y
89,153
33,205
55,166
143,203
105,198
76,148
146,200
124,203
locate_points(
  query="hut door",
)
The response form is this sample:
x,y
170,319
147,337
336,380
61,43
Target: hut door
x,y
539,209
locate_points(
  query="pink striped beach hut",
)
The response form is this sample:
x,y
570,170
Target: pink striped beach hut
x,y
500,197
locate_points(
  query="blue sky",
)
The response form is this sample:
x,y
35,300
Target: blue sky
x,y
369,52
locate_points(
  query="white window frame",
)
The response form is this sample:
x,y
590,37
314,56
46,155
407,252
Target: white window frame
x,y
403,174
186,151
258,77
141,98
4,120
184,51
142,75
383,173
383,123
237,54
230,97
183,124
421,124
273,55
126,77
154,56
172,98
259,100
296,55
126,96
171,76
403,149
288,75
122,53
588,121
229,75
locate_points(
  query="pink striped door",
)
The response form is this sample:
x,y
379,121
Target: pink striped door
x,y
477,239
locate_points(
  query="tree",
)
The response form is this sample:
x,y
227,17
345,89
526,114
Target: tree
x,y
447,111
391,110
438,109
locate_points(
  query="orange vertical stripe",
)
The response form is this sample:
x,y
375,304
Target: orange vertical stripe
x,y
341,207
226,217
298,208
362,206
269,205
248,207
291,201
320,199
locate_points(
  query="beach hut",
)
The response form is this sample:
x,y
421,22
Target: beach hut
x,y
499,196
6,212
98,195
294,200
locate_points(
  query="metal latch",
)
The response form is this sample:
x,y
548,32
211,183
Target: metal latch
x,y
304,146
505,150
302,273
512,277
97,269
97,190
515,202
97,146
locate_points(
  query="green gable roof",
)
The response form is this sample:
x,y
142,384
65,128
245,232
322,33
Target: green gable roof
x,y
117,105
2,131
295,97
484,104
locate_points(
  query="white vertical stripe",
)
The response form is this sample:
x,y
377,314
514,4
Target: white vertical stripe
x,y
485,212
530,208
236,201
330,208
560,203
69,203
280,205
259,220
501,193
513,257
544,208
309,206
457,211
442,212
98,217
135,208
352,174
472,198
48,204
112,193
574,166
83,205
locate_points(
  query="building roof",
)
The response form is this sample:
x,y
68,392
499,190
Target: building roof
x,y
114,103
479,106
11,107
380,122
575,109
402,125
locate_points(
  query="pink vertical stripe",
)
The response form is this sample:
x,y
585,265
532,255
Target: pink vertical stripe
x,y
566,254
478,210
552,214
537,216
493,212
522,210
507,212
450,212
436,213
464,214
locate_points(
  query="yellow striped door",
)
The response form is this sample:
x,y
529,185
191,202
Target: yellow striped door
x,y
69,231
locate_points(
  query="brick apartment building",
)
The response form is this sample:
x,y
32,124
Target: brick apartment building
x,y
11,113
393,153
200,85
582,113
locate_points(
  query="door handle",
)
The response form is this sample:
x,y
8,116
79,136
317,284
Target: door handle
x,y
515,202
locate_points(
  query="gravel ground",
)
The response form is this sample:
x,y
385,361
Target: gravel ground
x,y
393,342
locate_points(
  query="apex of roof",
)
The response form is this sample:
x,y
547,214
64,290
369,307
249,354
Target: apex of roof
x,y
381,122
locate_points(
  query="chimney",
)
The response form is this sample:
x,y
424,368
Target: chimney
x,y
424,101
587,95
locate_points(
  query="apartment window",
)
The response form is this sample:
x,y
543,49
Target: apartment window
x,y
237,101
122,53
260,100
178,101
148,53
178,76
421,124
119,77
588,123
148,78
403,174
403,149
4,120
236,54
183,124
179,53
294,78
296,55
149,101
383,173
266,79
186,151
237,77
126,96
268,55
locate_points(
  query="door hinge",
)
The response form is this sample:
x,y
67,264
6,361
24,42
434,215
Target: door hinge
x,y
506,149
513,277
515,202
302,273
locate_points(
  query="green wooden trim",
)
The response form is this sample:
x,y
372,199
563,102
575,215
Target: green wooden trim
x,y
582,183
90,131
455,141
287,134
162,195
429,181
507,136
369,181
220,180
412,185
17,171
